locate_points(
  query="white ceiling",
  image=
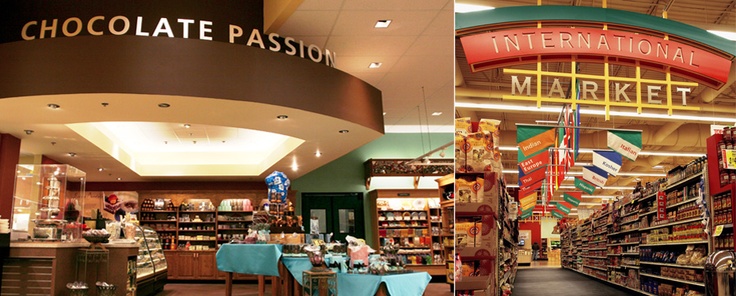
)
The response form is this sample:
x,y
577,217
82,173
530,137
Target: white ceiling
x,y
416,53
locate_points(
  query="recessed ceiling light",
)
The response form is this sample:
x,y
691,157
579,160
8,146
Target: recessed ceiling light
x,y
384,113
282,117
375,65
72,154
463,8
382,24
100,169
344,131
119,178
53,106
164,105
436,113
318,153
186,125
28,132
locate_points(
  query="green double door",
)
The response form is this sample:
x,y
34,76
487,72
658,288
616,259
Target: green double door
x,y
338,213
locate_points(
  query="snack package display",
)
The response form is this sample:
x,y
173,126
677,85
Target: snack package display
x,y
479,154
468,234
463,126
491,126
461,160
469,191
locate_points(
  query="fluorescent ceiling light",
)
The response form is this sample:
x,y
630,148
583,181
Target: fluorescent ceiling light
x,y
590,204
728,35
587,111
464,8
382,24
650,153
436,113
408,129
375,65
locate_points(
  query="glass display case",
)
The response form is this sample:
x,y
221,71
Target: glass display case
x,y
48,202
151,258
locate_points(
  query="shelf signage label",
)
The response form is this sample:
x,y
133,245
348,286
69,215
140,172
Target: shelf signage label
x,y
729,159
532,139
557,215
572,197
609,161
661,205
531,169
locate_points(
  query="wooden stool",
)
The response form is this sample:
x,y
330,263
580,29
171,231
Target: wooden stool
x,y
322,283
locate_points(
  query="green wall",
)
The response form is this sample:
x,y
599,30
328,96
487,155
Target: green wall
x,y
345,174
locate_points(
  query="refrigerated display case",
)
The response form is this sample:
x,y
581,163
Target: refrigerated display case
x,y
151,265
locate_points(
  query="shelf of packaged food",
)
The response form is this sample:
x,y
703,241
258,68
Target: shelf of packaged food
x,y
670,265
629,222
196,230
407,226
647,213
629,214
610,282
158,221
597,241
184,212
157,211
623,244
595,257
673,223
613,255
683,181
235,212
629,266
616,267
509,241
595,267
200,222
162,229
675,243
196,240
238,229
623,232
597,249
672,279
629,254
645,197
729,225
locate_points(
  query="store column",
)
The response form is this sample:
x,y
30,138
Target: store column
x,y
9,156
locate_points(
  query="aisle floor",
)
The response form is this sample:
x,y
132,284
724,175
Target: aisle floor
x,y
560,282
218,289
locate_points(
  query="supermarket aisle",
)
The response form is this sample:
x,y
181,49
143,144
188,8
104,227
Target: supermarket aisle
x,y
560,282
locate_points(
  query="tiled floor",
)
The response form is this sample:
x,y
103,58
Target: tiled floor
x,y
207,289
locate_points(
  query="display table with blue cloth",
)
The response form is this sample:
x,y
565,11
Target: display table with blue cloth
x,y
403,284
257,259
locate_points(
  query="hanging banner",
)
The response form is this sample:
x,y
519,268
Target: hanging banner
x,y
557,215
532,139
627,143
526,214
584,185
729,159
535,162
595,176
609,161
528,201
524,191
562,208
573,198
532,178
661,206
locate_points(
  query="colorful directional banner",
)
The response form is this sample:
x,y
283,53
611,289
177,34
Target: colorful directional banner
x,y
573,198
627,143
532,139
594,175
557,215
526,190
532,178
609,161
534,163
583,185
562,208
528,201
527,213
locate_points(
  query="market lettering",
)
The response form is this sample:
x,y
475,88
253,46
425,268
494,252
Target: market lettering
x,y
589,88
165,27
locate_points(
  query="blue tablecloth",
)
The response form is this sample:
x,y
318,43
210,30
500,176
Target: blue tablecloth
x,y
405,284
259,259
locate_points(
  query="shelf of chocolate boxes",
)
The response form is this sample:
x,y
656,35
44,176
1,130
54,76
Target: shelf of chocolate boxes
x,y
81,289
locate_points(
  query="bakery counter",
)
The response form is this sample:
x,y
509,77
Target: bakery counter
x,y
46,267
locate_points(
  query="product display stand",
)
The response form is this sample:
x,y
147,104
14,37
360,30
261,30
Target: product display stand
x,y
321,282
88,259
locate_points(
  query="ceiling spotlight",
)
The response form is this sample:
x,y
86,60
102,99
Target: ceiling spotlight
x,y
53,106
375,65
164,105
105,104
382,24
318,153
186,125
119,178
28,132
282,117
344,131
53,143
384,113
442,153
72,154
100,169
436,113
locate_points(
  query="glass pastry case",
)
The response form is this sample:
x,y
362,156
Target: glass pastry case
x,y
151,264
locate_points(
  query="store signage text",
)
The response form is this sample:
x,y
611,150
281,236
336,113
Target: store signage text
x,y
165,27
588,90
519,46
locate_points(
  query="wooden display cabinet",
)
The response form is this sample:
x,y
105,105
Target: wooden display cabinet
x,y
446,185
187,265
403,216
